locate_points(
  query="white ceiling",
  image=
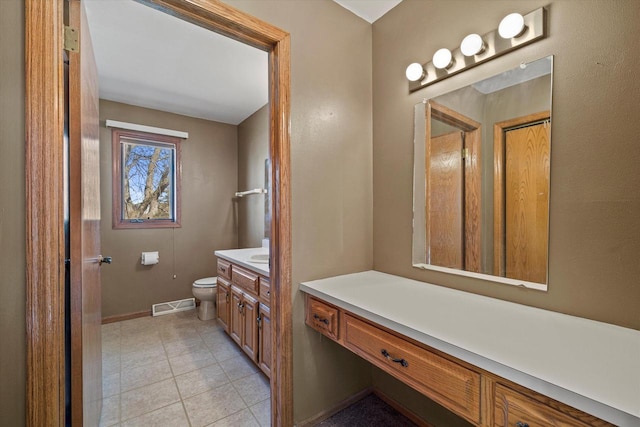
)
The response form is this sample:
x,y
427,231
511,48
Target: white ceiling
x,y
150,59
369,10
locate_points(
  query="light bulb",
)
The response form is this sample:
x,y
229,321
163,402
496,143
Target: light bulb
x,y
472,45
511,26
442,58
415,72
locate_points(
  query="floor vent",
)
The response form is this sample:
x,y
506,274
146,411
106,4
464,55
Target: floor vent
x,y
173,306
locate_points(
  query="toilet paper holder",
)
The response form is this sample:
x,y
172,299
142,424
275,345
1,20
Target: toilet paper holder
x,y
150,258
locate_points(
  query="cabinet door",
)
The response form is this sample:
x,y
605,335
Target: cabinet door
x,y
264,340
223,300
236,319
250,337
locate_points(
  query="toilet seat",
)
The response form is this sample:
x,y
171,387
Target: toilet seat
x,y
207,282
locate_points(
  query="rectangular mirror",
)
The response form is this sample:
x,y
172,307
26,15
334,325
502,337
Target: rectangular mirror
x,y
482,177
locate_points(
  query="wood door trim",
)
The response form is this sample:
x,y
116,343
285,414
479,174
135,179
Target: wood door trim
x,y
499,141
44,190
44,129
473,175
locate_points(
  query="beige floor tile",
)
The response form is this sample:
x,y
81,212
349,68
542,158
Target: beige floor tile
x,y
142,357
169,416
176,348
213,405
238,367
145,375
110,364
224,349
262,412
111,385
138,341
148,398
191,361
253,388
200,380
243,418
181,333
110,415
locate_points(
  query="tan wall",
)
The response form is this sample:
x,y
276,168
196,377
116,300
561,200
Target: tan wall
x,y
209,181
12,213
253,149
594,222
331,162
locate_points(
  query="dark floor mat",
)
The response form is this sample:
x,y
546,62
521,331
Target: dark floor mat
x,y
368,412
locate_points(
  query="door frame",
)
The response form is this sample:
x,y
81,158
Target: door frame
x,y
44,116
472,179
499,146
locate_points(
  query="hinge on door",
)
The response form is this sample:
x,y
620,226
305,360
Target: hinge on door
x,y
71,39
465,153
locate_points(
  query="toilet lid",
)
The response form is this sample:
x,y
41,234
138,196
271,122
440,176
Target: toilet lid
x,y
207,282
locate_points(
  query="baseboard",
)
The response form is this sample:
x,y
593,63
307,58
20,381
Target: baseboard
x,y
400,408
128,316
309,422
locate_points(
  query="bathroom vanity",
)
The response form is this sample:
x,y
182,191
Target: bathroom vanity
x,y
244,299
492,362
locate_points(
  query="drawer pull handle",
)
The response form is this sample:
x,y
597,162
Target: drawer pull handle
x,y
223,269
403,362
321,319
521,424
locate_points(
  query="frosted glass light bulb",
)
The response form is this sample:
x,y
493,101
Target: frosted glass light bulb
x,y
415,72
511,26
442,58
472,45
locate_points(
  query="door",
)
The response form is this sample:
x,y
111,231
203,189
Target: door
x,y
223,297
235,316
84,228
264,337
445,201
527,202
250,326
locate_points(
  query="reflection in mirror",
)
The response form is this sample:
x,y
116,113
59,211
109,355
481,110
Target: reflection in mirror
x,y
481,178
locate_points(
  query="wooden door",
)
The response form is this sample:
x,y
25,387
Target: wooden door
x,y
445,201
223,298
84,227
527,202
235,316
264,340
250,336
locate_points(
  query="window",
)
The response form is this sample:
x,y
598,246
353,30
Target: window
x,y
146,180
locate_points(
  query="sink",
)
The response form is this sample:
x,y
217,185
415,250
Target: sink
x,y
259,258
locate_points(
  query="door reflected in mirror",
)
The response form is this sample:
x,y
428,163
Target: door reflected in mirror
x,y
481,178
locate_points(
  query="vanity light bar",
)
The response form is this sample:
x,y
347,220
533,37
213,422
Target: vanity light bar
x,y
493,46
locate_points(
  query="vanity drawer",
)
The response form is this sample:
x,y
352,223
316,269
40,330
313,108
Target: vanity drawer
x,y
453,386
265,290
245,279
322,317
224,269
514,409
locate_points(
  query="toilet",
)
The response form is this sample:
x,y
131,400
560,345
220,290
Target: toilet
x,y
205,291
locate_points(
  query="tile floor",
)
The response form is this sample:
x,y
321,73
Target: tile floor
x,y
175,370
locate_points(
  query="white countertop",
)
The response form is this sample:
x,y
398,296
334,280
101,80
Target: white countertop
x,y
592,366
243,258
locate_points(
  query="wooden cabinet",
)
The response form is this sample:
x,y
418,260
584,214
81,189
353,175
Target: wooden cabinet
x,y
322,317
515,409
243,310
450,384
481,397
264,338
223,300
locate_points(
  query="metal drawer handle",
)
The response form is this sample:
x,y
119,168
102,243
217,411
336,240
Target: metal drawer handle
x,y
223,269
521,424
403,362
321,319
